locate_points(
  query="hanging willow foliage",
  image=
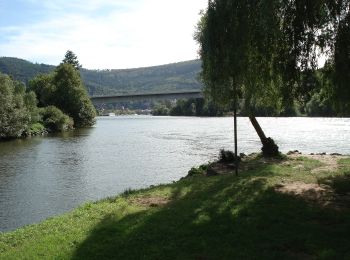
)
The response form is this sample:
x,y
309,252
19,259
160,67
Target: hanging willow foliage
x,y
263,47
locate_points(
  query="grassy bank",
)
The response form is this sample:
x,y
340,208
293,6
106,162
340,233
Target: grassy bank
x,y
293,208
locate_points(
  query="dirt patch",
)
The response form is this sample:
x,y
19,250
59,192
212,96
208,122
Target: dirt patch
x,y
150,201
330,162
323,195
254,160
310,191
220,168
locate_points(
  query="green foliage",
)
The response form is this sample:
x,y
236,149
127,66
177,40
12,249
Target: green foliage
x,y
160,110
198,171
36,129
64,89
44,89
341,67
22,70
189,107
319,105
71,96
258,108
196,107
261,50
14,115
19,114
226,156
238,41
55,120
72,59
31,102
184,108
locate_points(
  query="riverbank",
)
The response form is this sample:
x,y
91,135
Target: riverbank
x,y
295,207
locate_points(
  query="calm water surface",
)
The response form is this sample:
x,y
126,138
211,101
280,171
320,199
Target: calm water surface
x,y
46,176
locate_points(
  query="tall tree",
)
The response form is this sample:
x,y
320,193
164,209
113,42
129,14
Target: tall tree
x,y
341,64
44,89
71,58
258,50
14,115
236,47
71,96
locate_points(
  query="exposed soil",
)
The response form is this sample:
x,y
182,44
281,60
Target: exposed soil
x,y
220,168
330,161
150,201
321,194
309,191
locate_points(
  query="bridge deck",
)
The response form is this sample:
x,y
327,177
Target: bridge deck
x,y
148,96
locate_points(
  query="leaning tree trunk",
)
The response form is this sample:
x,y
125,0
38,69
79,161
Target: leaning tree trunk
x,y
269,148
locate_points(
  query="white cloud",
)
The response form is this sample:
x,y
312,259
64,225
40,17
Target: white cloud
x,y
144,33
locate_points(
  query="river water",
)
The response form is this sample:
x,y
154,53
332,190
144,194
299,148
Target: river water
x,y
45,176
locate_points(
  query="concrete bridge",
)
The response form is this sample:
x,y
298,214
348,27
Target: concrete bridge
x,y
98,100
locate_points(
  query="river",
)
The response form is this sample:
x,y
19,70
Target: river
x,y
45,176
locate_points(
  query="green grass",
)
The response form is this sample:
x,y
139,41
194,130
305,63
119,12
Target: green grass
x,y
220,217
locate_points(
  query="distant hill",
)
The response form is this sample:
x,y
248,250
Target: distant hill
x,y
164,78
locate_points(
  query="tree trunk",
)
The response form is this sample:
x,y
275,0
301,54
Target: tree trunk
x,y
235,137
235,128
269,148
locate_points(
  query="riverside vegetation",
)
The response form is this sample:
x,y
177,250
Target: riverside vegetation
x,y
52,102
293,207
183,76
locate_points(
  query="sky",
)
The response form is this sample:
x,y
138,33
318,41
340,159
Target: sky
x,y
104,34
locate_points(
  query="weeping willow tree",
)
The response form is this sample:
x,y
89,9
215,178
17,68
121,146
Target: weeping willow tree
x,y
258,50
340,61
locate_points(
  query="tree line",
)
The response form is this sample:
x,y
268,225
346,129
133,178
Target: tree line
x,y
187,107
57,101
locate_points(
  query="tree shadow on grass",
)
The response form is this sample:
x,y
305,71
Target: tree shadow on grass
x,y
340,190
223,218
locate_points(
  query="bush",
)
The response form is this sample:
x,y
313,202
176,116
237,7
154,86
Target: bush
x,y
55,120
160,110
65,90
198,171
227,156
36,129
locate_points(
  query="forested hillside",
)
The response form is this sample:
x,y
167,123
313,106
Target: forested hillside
x,y
22,70
164,78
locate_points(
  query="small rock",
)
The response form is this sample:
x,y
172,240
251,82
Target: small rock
x,y
293,152
336,154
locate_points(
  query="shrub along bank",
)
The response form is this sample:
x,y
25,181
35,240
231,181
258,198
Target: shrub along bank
x,y
52,102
